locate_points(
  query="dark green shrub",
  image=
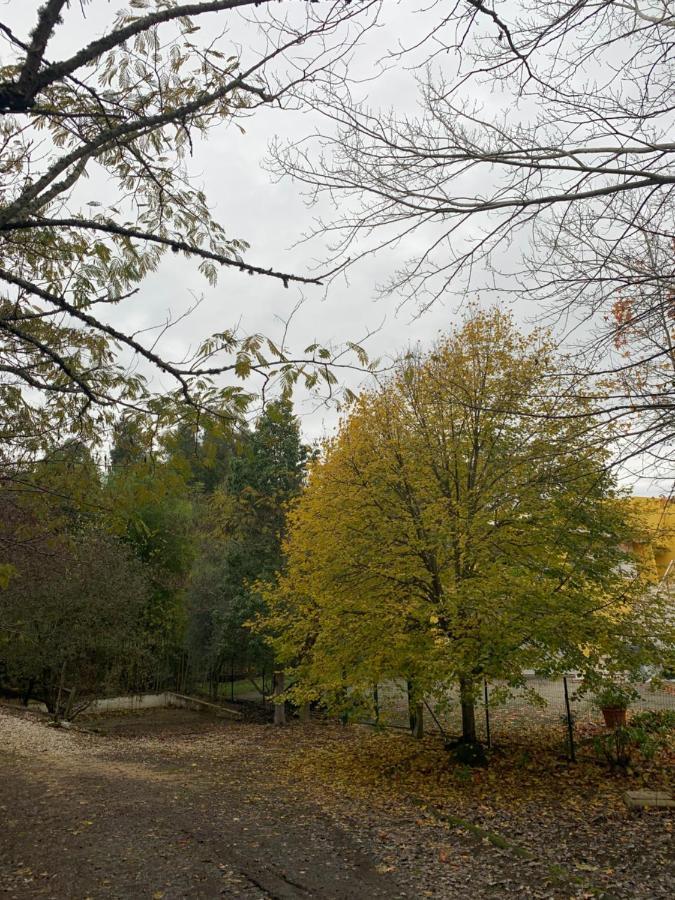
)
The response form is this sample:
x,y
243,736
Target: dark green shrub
x,y
655,721
646,734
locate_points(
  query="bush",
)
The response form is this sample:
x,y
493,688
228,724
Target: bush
x,y
646,734
70,621
655,721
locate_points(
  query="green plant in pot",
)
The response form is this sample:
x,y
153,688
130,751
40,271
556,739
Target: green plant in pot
x,y
613,700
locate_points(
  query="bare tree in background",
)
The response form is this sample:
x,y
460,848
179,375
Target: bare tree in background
x,y
628,291
127,108
542,151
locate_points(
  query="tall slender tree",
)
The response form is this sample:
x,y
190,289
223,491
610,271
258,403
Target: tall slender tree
x,y
244,525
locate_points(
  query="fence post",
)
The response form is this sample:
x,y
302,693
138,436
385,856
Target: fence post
x,y
376,701
487,714
570,723
232,680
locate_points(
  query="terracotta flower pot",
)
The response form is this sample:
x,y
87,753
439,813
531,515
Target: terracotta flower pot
x,y
614,716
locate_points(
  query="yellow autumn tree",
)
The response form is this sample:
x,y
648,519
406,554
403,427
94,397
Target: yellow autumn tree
x,y
462,524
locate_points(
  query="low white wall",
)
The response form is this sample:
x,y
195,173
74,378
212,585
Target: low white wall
x,y
136,701
167,699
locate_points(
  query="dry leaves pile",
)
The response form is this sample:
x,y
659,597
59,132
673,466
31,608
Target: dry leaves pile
x,y
386,766
530,824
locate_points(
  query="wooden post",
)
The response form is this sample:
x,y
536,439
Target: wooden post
x,y
305,713
279,708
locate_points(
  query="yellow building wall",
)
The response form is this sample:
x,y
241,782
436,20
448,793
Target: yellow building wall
x,y
657,515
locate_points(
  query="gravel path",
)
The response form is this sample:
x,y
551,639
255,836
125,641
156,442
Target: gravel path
x,y
93,817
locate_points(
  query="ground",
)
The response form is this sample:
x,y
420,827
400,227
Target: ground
x,y
171,804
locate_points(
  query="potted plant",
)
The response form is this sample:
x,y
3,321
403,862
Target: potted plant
x,y
613,700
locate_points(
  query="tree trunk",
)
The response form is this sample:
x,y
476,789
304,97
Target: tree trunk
x,y
415,713
279,708
418,725
49,689
468,711
215,684
68,714
410,687
28,693
57,705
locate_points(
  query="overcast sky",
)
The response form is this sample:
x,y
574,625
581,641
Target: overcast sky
x,y
272,216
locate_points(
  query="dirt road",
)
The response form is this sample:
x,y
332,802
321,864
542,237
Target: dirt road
x,y
170,805
87,817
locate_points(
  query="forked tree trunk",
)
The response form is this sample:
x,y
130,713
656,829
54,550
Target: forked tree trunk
x,y
68,713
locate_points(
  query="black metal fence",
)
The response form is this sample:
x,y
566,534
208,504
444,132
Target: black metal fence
x,y
553,707
556,709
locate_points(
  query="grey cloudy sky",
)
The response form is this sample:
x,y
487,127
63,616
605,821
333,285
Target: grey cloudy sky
x,y
272,216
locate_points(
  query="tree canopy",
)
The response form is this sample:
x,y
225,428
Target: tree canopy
x,y
69,619
462,525
127,108
243,523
